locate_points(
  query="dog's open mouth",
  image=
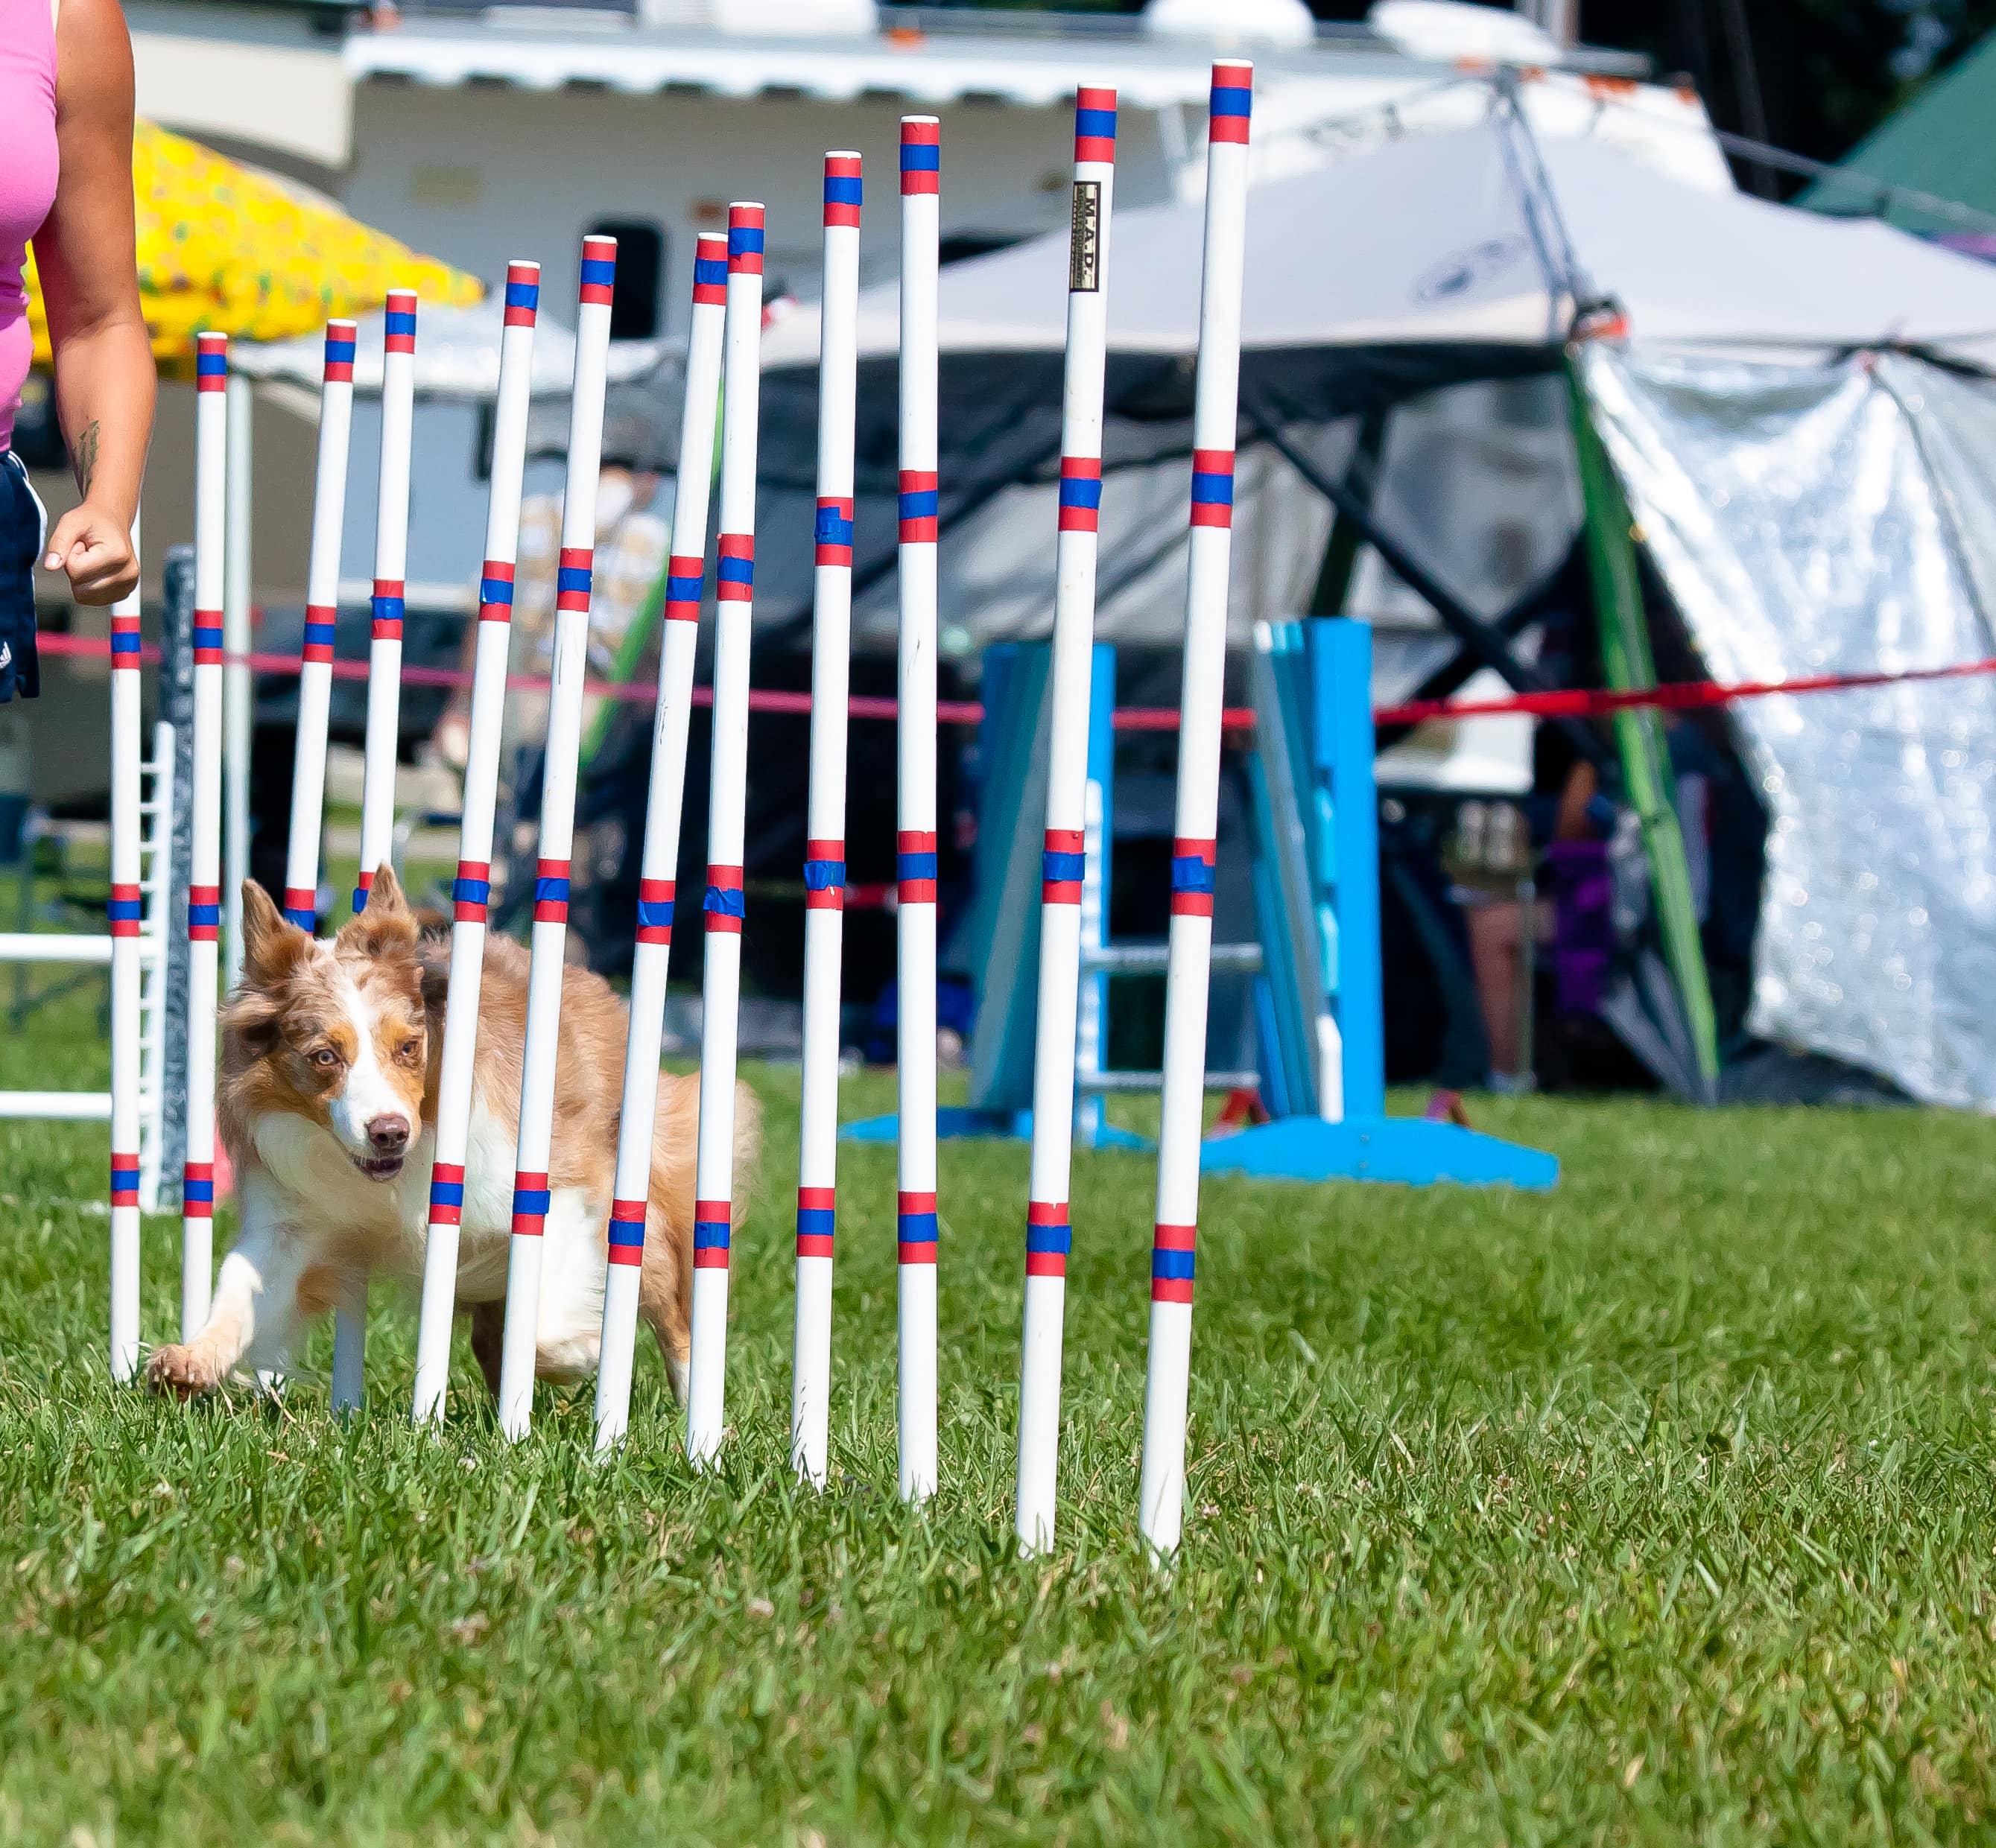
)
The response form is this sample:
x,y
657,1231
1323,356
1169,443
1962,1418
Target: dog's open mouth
x,y
380,1167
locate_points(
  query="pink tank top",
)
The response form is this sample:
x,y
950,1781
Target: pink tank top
x,y
27,177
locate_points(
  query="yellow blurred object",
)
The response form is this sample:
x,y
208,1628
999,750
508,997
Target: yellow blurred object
x,y
231,251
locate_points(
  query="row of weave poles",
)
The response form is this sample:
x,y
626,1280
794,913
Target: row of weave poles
x,y
723,351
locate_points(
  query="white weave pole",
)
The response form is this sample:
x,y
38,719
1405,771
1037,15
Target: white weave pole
x,y
658,862
531,1193
127,911
1162,1493
237,691
391,554
384,699
335,427
1063,862
824,822
721,988
472,889
210,489
915,818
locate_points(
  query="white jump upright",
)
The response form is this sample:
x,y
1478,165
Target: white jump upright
x,y
659,863
721,988
205,871
915,817
824,822
531,1194
1215,411
127,913
336,426
472,889
1064,860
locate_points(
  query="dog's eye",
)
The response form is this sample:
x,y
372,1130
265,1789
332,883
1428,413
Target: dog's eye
x,y
411,1048
325,1056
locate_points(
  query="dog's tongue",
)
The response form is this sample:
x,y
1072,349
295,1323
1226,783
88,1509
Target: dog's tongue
x,y
225,1175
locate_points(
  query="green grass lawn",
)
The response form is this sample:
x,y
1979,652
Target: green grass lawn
x,y
1659,1509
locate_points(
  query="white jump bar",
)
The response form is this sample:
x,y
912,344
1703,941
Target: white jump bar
x,y
54,946
57,1106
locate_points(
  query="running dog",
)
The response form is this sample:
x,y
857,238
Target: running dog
x,y
326,1102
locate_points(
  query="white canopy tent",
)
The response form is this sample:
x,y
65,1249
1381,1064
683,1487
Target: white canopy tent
x,y
1478,236
1806,503
1447,260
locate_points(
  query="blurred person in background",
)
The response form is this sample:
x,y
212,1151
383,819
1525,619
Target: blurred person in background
x,y
632,542
66,186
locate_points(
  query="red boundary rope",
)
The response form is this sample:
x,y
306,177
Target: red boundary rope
x,y
1687,695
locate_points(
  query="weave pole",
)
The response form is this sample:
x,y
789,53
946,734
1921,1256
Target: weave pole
x,y
915,821
720,989
472,889
531,1194
335,427
238,688
385,700
127,921
1063,862
391,554
1162,1494
824,822
204,927
659,863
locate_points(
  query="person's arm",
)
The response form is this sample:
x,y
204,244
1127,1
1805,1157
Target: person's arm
x,y
85,252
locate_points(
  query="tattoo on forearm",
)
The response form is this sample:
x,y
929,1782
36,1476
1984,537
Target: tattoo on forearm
x,y
83,456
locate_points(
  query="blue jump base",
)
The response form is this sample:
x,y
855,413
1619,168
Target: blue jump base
x,y
1409,1150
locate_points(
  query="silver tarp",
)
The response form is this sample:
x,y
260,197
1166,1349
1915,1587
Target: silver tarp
x,y
1842,518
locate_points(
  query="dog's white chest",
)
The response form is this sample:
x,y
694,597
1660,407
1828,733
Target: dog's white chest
x,y
490,1153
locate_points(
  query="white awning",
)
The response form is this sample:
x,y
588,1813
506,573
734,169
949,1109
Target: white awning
x,y
458,356
1038,71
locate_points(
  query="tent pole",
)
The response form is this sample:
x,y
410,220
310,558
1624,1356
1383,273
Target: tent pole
x,y
1485,642
1340,553
1638,734
1456,673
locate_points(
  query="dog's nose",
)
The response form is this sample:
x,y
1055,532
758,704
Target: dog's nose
x,y
390,1135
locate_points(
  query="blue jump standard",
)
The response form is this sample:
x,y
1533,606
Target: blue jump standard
x,y
1316,743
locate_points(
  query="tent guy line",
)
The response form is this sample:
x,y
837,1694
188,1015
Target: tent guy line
x,y
1680,695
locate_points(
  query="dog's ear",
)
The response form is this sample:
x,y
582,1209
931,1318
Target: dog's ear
x,y
433,959
385,894
271,946
387,925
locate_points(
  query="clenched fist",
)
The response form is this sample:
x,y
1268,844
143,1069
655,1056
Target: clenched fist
x,y
95,549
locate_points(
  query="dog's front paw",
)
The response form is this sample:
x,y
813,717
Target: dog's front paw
x,y
185,1372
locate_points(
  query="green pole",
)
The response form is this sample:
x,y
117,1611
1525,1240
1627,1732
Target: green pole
x,y
1639,735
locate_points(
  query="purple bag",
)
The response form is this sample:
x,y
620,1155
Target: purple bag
x,y
1583,946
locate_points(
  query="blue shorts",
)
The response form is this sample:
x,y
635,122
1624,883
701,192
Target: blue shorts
x,y
23,528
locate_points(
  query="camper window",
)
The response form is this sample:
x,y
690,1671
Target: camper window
x,y
641,268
